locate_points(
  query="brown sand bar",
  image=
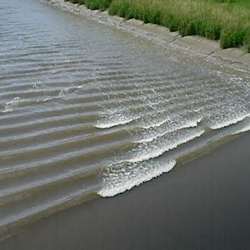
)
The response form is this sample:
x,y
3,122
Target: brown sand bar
x,y
204,205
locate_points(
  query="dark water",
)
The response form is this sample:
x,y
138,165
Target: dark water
x,y
87,109
202,205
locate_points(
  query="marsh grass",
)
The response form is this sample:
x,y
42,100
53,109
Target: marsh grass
x,y
93,4
224,20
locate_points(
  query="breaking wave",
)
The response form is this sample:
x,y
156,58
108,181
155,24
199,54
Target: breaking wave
x,y
84,110
121,177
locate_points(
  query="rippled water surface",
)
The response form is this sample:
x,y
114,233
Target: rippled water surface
x,y
85,109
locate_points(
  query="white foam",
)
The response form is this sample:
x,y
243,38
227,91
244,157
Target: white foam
x,y
155,124
11,105
153,133
230,122
120,178
114,123
157,147
112,118
244,128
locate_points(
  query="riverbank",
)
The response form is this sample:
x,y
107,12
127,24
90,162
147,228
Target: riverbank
x,y
197,46
226,21
87,108
204,205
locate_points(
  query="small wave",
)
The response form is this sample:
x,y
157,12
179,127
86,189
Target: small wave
x,y
154,124
244,127
169,126
126,175
113,118
230,122
111,124
11,105
144,163
159,146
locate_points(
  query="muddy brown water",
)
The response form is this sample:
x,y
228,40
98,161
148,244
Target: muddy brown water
x,y
87,109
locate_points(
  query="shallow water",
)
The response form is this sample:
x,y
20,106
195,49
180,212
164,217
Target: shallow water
x,y
85,109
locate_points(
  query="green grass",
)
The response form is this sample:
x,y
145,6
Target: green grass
x,y
225,20
242,3
93,4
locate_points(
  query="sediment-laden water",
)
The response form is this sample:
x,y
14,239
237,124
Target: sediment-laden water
x,y
88,109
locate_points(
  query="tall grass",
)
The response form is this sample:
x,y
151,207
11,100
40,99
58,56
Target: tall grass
x,y
224,20
93,4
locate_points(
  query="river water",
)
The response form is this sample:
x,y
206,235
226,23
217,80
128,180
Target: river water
x,y
88,109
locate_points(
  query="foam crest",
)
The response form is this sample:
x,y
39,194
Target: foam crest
x,y
124,176
155,124
114,123
228,122
11,105
113,118
159,146
244,127
148,135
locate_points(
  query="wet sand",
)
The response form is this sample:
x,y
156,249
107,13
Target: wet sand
x,y
202,205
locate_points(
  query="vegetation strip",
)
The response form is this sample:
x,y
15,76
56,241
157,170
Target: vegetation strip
x,y
224,20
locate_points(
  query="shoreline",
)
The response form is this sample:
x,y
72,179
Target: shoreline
x,y
227,22
203,205
209,50
49,193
